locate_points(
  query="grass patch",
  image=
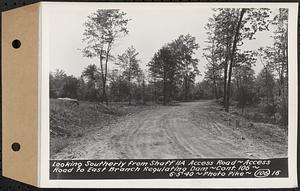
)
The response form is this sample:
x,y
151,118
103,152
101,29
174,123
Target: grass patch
x,y
69,121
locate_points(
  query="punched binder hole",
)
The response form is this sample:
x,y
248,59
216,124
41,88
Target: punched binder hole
x,y
16,146
16,43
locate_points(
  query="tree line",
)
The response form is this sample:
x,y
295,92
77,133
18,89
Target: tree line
x,y
230,68
173,69
171,76
171,72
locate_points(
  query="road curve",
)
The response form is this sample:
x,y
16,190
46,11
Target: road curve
x,y
188,130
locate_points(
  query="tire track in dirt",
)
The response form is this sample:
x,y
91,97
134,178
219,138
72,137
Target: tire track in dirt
x,y
133,136
175,140
183,141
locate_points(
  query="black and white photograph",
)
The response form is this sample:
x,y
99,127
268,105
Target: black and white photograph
x,y
169,84
164,91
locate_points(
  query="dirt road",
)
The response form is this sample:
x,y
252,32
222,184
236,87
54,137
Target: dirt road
x,y
188,130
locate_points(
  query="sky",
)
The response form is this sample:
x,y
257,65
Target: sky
x,y
149,29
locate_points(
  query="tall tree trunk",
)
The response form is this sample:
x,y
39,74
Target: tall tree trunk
x,y
232,55
215,88
225,84
104,92
155,90
215,83
228,50
185,88
143,92
164,89
214,69
129,89
266,84
119,91
104,77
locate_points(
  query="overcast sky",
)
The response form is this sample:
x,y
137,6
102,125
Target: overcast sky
x,y
149,29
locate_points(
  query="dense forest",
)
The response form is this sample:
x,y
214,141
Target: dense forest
x,y
170,76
